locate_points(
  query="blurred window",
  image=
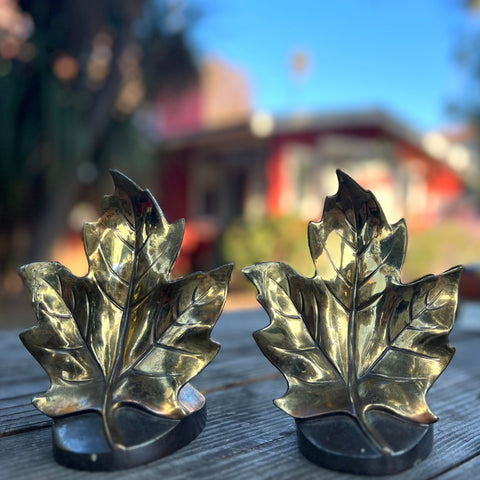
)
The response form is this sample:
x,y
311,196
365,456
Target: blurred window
x,y
221,184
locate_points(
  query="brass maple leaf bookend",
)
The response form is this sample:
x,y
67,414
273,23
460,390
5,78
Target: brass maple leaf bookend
x,y
121,343
358,348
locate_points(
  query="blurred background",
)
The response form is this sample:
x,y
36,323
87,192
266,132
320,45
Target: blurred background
x,y
236,115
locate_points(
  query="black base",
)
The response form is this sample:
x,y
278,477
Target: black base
x,y
338,443
79,440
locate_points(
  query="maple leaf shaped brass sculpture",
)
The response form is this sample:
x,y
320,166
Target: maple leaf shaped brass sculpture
x,y
124,334
356,339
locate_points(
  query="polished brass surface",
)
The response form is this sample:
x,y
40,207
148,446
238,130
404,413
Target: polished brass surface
x,y
354,338
125,333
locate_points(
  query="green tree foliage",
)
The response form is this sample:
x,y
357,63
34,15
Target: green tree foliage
x,y
271,239
72,75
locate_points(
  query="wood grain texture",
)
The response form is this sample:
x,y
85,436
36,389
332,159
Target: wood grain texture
x,y
469,469
246,437
238,362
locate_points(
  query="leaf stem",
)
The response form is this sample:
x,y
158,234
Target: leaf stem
x,y
372,433
351,347
358,410
106,425
111,432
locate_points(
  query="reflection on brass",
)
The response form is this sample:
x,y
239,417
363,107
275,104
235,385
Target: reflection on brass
x,y
124,333
354,338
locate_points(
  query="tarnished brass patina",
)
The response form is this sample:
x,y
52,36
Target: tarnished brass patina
x,y
124,334
353,338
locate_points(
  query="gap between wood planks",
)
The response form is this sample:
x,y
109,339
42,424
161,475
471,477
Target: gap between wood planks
x,y
454,467
46,422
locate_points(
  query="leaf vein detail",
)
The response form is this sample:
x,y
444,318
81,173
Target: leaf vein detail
x,y
180,351
124,240
110,268
107,295
337,270
337,300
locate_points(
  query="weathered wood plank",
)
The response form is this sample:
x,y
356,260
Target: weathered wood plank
x,y
19,415
246,436
468,469
238,362
21,374
19,370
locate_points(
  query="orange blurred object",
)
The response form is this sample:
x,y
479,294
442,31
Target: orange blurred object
x,y
65,67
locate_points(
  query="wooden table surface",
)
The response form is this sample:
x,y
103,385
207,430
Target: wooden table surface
x,y
246,436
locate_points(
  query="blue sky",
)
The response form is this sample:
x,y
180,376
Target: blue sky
x,y
396,54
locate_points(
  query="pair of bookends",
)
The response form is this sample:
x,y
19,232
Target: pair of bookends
x,y
358,348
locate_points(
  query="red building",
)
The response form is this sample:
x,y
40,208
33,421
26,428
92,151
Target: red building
x,y
268,166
